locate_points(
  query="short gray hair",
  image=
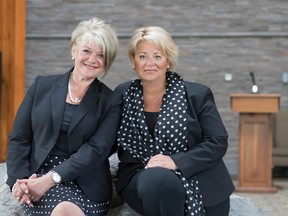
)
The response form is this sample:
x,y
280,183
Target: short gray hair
x,y
96,31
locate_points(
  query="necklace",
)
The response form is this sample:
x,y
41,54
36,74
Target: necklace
x,y
158,98
76,100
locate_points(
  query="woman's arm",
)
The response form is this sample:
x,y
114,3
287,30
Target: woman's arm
x,y
207,135
20,140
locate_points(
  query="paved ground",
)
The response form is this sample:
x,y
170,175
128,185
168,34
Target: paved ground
x,y
274,203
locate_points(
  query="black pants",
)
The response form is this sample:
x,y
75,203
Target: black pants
x,y
160,192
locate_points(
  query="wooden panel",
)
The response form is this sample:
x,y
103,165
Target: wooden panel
x,y
255,153
12,30
255,103
254,146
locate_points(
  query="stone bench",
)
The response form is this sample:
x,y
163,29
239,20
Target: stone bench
x,y
240,206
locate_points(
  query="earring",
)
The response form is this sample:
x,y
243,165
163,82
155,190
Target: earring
x,y
73,58
133,66
168,66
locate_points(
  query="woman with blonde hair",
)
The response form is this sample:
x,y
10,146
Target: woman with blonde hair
x,y
65,128
171,138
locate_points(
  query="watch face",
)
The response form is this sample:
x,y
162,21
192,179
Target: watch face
x,y
56,177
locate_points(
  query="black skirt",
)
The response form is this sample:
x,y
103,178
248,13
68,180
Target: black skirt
x,y
63,192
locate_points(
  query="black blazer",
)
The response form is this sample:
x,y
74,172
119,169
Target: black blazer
x,y
90,137
207,140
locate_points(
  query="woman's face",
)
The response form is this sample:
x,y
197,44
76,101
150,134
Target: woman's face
x,y
150,62
89,60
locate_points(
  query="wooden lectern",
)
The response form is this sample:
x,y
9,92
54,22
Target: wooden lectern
x,y
255,140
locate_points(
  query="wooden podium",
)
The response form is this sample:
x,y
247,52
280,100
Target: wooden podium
x,y
255,140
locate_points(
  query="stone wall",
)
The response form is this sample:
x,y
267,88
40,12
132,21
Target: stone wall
x,y
215,38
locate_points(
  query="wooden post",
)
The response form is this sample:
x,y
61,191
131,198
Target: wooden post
x,y
255,140
12,48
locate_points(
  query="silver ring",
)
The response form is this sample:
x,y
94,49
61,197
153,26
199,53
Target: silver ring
x,y
32,198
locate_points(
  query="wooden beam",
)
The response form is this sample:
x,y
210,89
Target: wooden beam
x,y
12,47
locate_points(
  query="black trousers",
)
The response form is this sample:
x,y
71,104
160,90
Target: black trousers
x,y
160,192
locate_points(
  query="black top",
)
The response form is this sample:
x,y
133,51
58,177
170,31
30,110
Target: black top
x,y
61,147
151,119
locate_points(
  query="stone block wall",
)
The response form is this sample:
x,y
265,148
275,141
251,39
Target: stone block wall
x,y
214,37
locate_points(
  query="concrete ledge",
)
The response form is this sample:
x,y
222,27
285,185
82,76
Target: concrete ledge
x,y
240,206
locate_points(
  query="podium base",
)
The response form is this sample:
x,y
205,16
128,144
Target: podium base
x,y
256,189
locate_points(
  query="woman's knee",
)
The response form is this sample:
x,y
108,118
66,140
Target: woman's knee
x,y
155,190
159,180
66,208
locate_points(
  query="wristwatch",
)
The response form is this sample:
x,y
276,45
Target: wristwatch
x,y
56,178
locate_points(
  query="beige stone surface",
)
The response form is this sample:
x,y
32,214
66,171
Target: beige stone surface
x,y
276,204
244,205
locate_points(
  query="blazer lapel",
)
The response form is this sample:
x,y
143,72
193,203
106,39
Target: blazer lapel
x,y
89,101
59,92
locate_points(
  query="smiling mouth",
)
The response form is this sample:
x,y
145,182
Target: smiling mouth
x,y
91,66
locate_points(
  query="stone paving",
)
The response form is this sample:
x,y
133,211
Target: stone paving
x,y
276,204
240,206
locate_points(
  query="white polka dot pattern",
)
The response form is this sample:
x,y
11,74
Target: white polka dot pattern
x,y
170,131
63,192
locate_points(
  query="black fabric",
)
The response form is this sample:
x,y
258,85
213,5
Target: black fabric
x,y
91,134
207,141
167,198
61,147
220,209
170,132
69,191
151,120
126,170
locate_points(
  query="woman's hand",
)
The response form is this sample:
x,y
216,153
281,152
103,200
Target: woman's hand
x,y
160,160
32,189
20,192
39,185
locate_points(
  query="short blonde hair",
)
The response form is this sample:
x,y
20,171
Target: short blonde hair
x,y
96,31
160,37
